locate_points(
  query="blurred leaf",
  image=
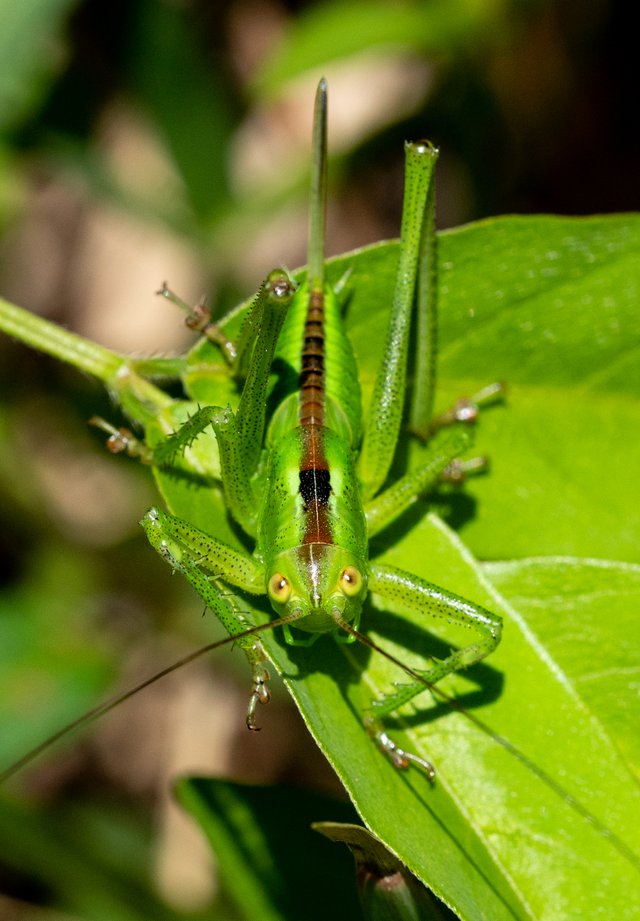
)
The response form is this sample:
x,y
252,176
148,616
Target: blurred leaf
x,y
273,865
30,51
331,30
53,662
84,864
190,105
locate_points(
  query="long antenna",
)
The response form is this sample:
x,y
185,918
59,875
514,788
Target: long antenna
x,y
318,195
90,715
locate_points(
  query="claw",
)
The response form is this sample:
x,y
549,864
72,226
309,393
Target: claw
x,y
458,470
467,409
122,440
398,757
259,695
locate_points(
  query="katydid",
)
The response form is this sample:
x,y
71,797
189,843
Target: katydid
x,y
309,485
309,481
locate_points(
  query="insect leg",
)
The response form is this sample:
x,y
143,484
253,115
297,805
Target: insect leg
x,y
385,415
189,550
240,434
438,603
443,448
426,328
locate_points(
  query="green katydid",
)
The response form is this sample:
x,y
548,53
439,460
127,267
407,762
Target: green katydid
x,y
309,484
312,472
308,503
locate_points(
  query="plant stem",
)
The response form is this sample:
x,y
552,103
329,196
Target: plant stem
x,y
48,337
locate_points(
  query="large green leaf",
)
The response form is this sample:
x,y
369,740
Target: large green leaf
x,y
594,642
490,837
493,837
535,289
548,305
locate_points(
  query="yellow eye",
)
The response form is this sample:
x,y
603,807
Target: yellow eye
x,y
279,588
350,581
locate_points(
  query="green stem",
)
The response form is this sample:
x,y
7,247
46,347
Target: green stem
x,y
52,339
139,398
171,367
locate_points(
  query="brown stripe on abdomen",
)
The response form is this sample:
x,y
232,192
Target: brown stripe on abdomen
x,y
315,477
311,381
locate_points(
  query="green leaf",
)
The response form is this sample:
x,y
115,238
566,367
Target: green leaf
x,y
491,838
28,41
495,837
495,840
274,870
548,305
594,642
185,99
333,30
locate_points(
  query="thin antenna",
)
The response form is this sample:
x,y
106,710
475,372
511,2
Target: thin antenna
x,y
113,702
318,197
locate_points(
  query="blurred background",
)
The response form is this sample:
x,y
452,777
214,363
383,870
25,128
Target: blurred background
x,y
152,140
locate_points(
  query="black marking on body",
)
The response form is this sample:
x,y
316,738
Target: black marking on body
x,y
315,487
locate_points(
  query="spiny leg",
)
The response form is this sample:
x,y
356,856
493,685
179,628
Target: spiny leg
x,y
417,276
240,434
442,451
188,550
387,405
436,602
166,451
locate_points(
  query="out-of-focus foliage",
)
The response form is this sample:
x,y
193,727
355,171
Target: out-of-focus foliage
x,y
144,139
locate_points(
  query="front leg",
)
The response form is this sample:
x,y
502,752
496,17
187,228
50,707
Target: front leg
x,y
438,603
189,550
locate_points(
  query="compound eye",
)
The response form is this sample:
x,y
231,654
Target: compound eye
x,y
350,581
279,588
